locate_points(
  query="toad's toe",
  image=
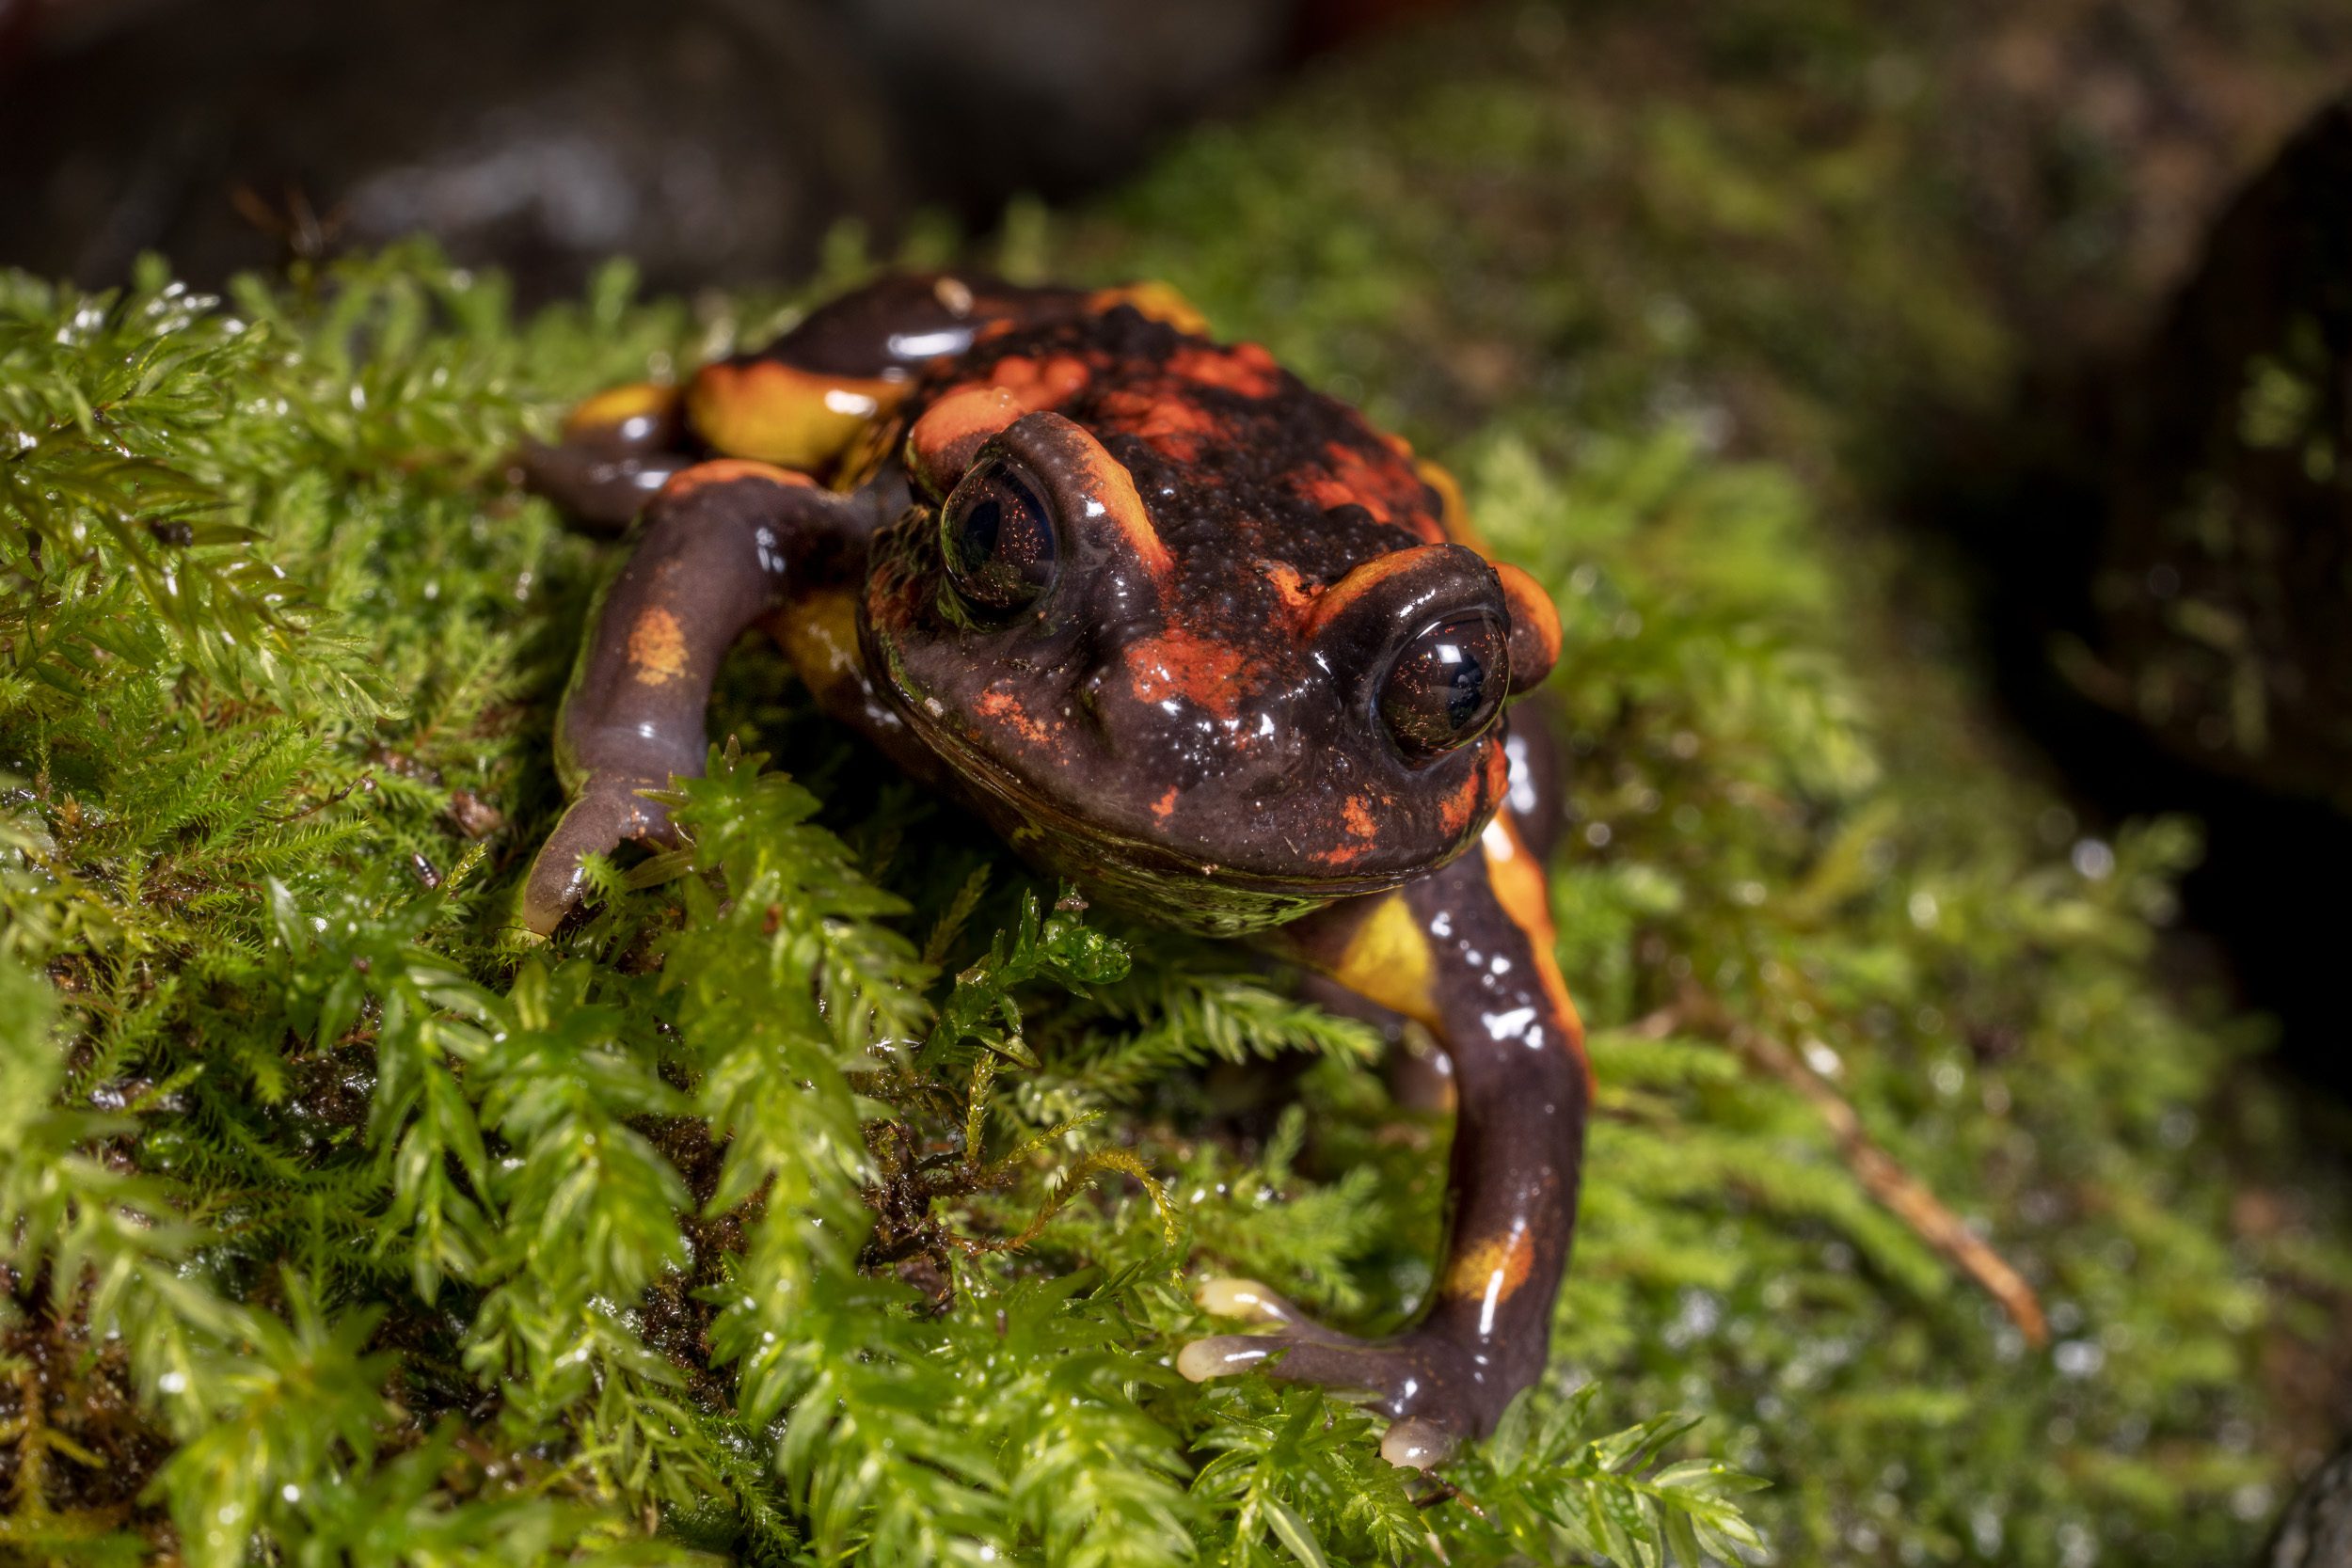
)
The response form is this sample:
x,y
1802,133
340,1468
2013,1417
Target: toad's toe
x,y
1431,1391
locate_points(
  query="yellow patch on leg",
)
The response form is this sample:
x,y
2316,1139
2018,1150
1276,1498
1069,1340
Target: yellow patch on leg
x,y
1387,961
819,636
1497,1266
623,410
777,413
657,648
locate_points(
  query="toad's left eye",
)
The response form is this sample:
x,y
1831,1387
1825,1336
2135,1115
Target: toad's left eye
x,y
1447,685
998,539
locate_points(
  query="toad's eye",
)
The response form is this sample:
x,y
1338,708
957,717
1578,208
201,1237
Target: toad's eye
x,y
1447,685
998,539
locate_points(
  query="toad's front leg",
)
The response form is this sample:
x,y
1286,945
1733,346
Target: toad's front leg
x,y
1467,951
724,544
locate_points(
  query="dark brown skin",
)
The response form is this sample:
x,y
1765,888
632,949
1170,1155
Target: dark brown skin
x,y
1186,632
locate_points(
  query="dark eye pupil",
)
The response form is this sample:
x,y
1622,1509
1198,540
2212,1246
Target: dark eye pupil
x,y
998,540
1467,686
979,541
1446,687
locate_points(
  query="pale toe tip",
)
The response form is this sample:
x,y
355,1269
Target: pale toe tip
x,y
1243,1298
1221,1355
1416,1445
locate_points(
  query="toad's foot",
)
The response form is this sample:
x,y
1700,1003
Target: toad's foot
x,y
1436,1393
609,812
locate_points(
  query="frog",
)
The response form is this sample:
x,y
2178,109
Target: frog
x,y
1195,637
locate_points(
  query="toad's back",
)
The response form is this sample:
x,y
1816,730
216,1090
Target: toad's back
x,y
1235,457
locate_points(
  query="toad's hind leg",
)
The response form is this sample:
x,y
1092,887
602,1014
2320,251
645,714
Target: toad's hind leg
x,y
618,449
724,542
805,402
1465,951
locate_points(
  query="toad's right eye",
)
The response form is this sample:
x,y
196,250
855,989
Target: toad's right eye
x,y
1446,685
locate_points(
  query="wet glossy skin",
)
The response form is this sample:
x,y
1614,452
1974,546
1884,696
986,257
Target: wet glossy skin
x,y
1182,630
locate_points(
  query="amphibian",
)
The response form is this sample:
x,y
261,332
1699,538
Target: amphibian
x,y
1186,632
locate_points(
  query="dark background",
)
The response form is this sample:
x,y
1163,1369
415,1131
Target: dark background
x,y
715,141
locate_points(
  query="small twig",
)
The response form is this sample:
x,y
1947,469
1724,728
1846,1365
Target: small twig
x,y
364,783
1898,1191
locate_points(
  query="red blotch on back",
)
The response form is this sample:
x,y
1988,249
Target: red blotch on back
x,y
1045,384
1384,485
1244,367
1175,426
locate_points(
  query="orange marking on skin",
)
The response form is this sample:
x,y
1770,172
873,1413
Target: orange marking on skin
x,y
1298,597
1109,485
1165,805
1453,512
1127,407
1363,484
617,405
1041,385
722,470
1244,368
657,648
1174,425
1063,375
952,431
782,414
1388,488
1371,484
1400,498
1210,675
1534,626
1159,301
1327,491
1363,831
1476,791
1005,708
1517,883
1362,580
1499,1264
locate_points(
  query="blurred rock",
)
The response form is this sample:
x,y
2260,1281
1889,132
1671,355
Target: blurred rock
x,y
2317,1531
2222,599
716,141
2164,538
1051,96
711,140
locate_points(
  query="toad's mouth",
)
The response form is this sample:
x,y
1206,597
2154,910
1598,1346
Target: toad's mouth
x,y
1000,793
1182,885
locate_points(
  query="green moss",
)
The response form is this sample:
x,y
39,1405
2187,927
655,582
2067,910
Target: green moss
x,y
338,1222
